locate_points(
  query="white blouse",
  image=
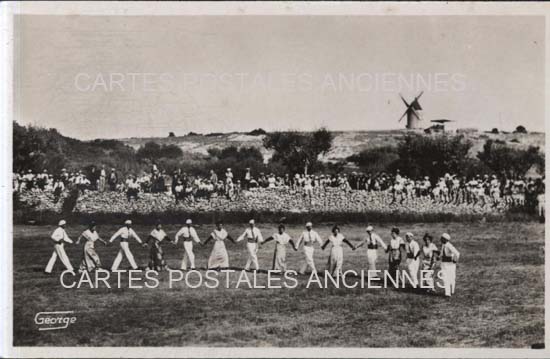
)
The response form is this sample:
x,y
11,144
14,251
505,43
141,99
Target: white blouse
x,y
158,234
429,250
90,236
337,240
219,235
396,242
281,238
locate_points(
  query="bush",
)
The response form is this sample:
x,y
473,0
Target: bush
x,y
238,159
494,130
37,149
510,161
299,152
153,151
433,156
170,151
520,129
257,132
374,160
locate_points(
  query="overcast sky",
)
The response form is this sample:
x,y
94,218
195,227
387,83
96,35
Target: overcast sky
x,y
137,76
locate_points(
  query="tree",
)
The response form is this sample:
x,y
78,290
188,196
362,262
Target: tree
x,y
494,130
150,150
520,129
170,151
433,156
374,160
257,132
238,154
37,149
238,159
510,161
153,151
299,152
171,134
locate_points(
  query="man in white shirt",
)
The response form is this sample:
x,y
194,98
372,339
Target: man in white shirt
x,y
449,258
125,233
253,237
413,260
59,236
309,237
372,241
189,235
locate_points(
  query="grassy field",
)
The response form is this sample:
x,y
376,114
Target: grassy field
x,y
499,300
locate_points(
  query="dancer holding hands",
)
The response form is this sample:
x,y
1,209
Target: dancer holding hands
x,y
281,239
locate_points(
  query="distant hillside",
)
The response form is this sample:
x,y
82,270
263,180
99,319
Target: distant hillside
x,y
345,143
38,148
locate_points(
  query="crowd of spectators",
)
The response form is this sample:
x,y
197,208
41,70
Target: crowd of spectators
x,y
479,191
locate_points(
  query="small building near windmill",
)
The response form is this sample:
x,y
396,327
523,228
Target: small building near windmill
x,y
439,125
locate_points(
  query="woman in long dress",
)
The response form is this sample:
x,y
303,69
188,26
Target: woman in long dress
x,y
218,257
156,254
90,259
336,259
430,252
279,256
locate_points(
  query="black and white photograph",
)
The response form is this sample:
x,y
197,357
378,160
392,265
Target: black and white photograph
x,y
271,180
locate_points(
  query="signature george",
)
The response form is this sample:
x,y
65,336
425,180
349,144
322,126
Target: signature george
x,y
54,320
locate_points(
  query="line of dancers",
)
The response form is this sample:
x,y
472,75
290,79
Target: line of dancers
x,y
397,248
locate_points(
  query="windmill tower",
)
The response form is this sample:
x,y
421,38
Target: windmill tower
x,y
413,113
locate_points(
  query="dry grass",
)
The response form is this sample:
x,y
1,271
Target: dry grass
x,y
499,300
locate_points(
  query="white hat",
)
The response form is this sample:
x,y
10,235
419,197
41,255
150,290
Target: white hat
x,y
128,222
189,221
251,221
409,234
369,228
62,223
446,236
309,224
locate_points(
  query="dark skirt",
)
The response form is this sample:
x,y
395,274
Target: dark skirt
x,y
156,257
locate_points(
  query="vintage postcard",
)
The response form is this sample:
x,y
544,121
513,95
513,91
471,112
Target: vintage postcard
x,y
274,179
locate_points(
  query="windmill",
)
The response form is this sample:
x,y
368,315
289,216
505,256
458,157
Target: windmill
x,y
413,113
